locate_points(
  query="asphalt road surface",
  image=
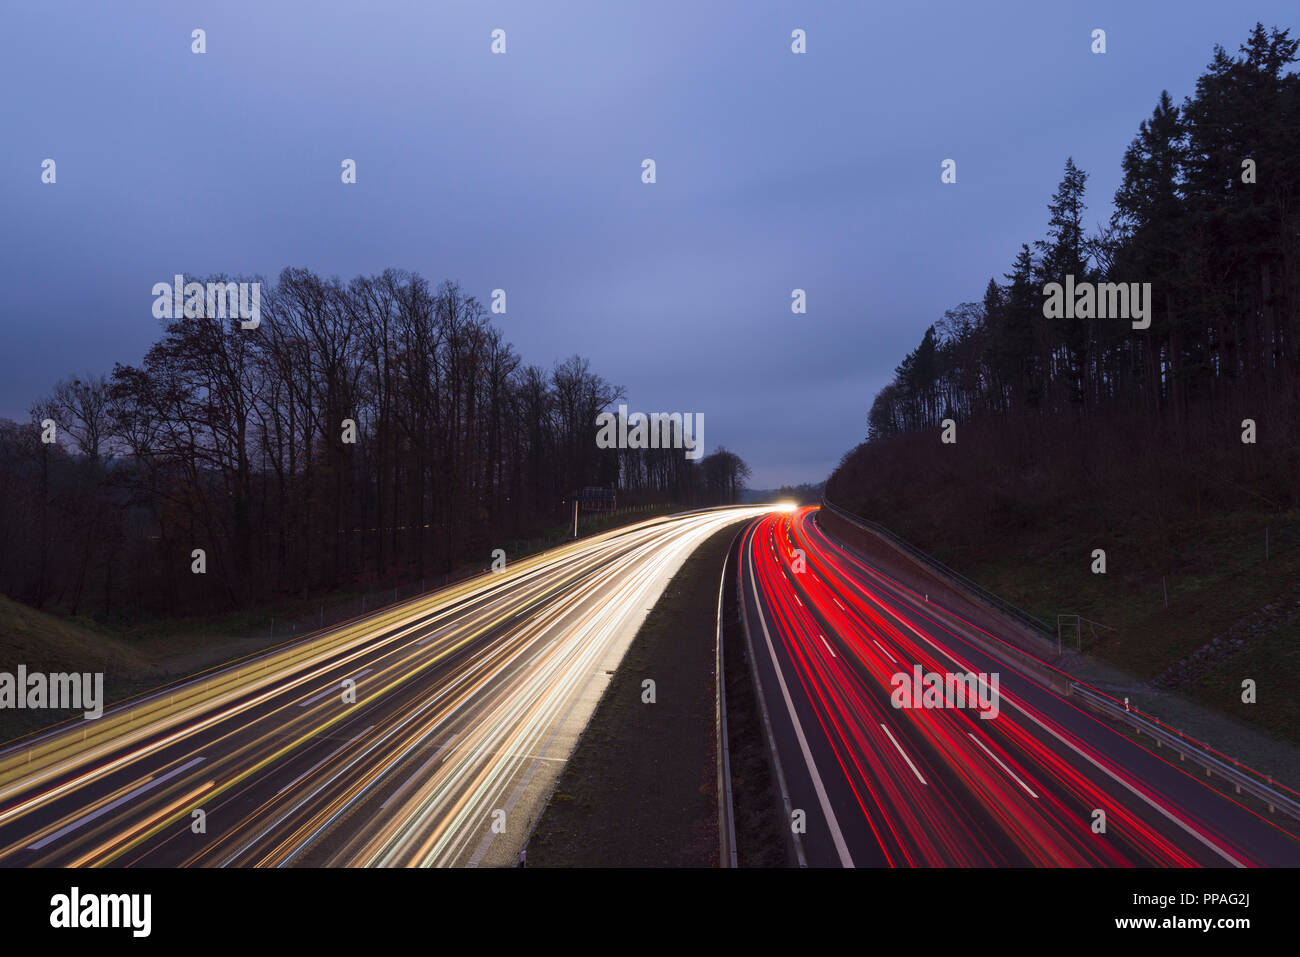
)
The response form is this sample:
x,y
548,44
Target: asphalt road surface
x,y
427,734
1018,778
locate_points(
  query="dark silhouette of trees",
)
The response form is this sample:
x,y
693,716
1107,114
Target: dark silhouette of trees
x,y
378,430
724,477
1219,244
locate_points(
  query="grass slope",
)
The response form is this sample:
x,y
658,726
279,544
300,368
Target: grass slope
x,y
641,788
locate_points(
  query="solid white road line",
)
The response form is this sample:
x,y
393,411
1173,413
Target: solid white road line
x,y
891,589
837,836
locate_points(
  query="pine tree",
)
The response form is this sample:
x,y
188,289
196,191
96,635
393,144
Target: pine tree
x,y
1151,234
1065,253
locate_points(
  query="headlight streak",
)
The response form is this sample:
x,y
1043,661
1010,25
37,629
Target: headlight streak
x,y
466,701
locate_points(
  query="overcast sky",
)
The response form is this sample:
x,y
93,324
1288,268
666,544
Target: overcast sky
x,y
523,171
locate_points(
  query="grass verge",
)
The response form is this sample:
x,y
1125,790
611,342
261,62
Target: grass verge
x,y
640,790
141,655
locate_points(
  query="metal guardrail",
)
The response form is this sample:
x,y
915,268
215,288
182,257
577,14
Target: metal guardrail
x,y
726,808
1184,746
1188,748
1019,614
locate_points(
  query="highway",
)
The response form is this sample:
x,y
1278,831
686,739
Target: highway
x,y
1020,784
429,734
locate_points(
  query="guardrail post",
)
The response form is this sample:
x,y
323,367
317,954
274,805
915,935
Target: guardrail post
x,y
1232,772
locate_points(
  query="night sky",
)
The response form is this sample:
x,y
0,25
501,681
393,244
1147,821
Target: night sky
x,y
523,171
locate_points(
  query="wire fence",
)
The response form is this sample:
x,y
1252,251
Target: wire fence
x,y
1024,617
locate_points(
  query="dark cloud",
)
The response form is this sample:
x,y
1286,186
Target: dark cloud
x,y
775,171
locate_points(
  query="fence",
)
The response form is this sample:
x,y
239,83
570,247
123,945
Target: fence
x,y
1020,615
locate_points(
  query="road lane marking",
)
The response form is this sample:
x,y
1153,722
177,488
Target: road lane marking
x,y
882,648
1001,765
329,691
416,776
314,767
437,634
828,646
1118,780
904,754
892,590
1183,825
837,836
87,818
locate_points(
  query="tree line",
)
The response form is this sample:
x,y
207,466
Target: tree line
x,y
1208,213
377,430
